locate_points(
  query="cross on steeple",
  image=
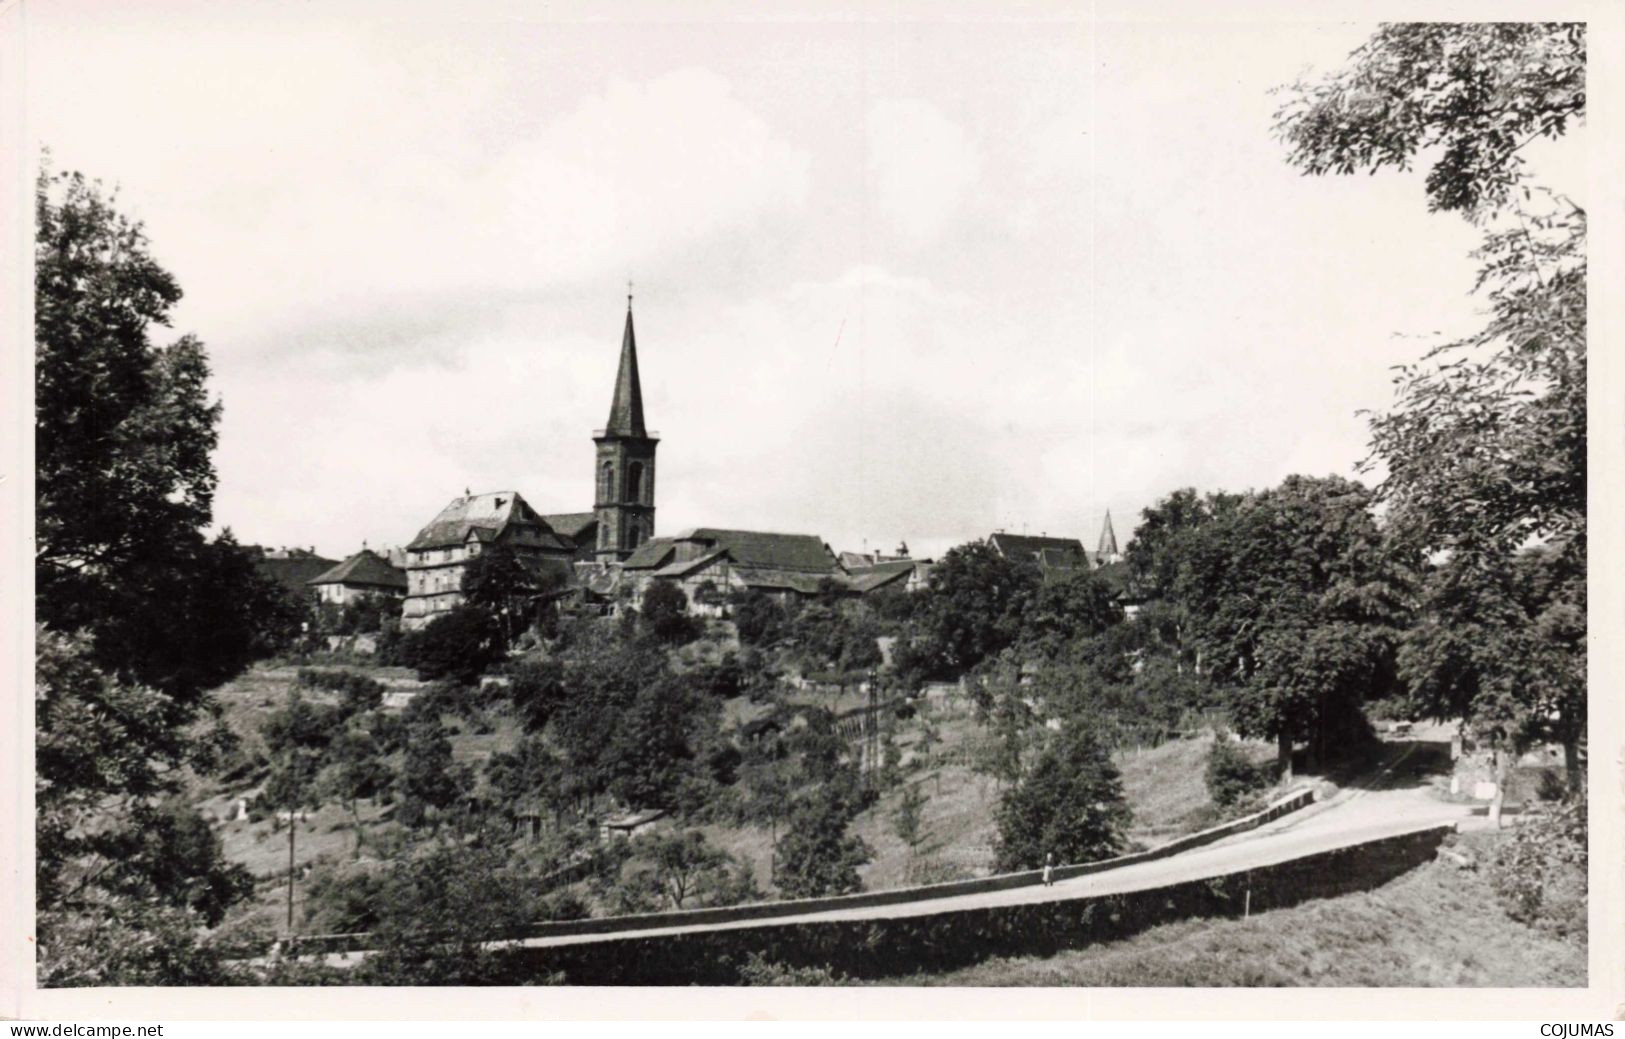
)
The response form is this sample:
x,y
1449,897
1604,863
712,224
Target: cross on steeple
x,y
629,295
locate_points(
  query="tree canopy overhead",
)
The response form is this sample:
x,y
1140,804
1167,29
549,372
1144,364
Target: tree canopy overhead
x,y
1475,92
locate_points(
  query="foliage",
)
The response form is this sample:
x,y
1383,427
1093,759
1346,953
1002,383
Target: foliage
x,y
1079,605
116,854
356,768
1232,777
1293,601
1539,873
910,816
496,583
626,724
1471,95
681,870
445,917
664,611
358,693
124,484
974,607
460,645
759,970
429,785
816,856
759,619
1069,803
129,942
1485,446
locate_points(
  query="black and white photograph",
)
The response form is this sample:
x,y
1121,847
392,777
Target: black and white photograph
x,y
993,495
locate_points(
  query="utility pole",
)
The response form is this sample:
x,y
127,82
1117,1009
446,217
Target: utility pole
x,y
290,873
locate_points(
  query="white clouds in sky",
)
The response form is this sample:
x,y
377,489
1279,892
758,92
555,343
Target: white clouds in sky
x,y
911,279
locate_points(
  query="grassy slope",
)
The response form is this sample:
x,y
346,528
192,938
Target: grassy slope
x,y
1164,785
1435,926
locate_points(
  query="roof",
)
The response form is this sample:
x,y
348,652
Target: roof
x,y
626,407
650,555
485,516
293,570
805,553
866,579
683,569
789,580
367,568
571,524
1047,552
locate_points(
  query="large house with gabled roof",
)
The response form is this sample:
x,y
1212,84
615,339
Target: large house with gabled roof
x,y
436,558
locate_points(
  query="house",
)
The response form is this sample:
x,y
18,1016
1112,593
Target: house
x,y
1054,557
292,568
781,565
437,557
365,573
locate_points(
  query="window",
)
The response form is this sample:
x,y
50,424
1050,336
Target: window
x,y
634,482
606,482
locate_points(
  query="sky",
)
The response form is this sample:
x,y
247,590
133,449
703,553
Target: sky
x,y
898,276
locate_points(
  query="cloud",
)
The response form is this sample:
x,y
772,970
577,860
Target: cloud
x,y
921,165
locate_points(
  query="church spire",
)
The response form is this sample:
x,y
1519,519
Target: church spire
x,y
1106,551
626,409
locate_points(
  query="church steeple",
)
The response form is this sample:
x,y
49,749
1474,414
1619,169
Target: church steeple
x,y
626,408
1106,551
624,466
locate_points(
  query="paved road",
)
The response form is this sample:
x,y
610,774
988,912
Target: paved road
x,y
1395,800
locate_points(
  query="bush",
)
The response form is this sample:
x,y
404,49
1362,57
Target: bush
x,y
458,645
665,612
1232,777
358,693
1068,804
1539,873
759,970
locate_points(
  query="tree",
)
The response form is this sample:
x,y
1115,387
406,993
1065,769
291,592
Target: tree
x,y
975,606
1231,776
498,584
124,483
356,769
816,856
1296,601
909,816
116,853
688,870
427,780
759,620
1485,445
1076,606
1069,804
1473,94
447,917
665,612
458,645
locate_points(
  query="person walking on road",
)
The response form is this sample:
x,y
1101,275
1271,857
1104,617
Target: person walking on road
x,y
1049,869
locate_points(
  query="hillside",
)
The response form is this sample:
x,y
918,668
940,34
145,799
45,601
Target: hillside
x,y
1436,926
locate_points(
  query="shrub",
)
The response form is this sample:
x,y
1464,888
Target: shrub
x,y
665,612
1232,777
1539,873
458,645
1069,804
759,970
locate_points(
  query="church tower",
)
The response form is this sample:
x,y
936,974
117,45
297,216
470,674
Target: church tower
x,y
1106,551
624,469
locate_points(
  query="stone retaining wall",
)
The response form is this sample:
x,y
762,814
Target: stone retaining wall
x,y
950,939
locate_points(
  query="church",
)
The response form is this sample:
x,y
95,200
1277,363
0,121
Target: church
x,y
612,550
